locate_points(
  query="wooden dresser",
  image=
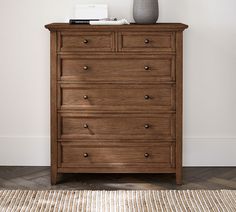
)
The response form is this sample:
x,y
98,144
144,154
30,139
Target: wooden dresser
x,y
116,99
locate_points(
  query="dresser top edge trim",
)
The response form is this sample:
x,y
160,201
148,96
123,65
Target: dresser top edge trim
x,y
145,27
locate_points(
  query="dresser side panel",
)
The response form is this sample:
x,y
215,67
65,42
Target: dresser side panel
x,y
53,85
179,105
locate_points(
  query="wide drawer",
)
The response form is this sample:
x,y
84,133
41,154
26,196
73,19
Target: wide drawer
x,y
117,69
121,126
72,155
118,97
150,41
86,41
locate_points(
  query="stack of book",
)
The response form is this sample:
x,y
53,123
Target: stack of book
x,y
100,22
94,14
87,21
81,21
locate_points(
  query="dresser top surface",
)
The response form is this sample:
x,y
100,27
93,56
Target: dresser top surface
x,y
149,27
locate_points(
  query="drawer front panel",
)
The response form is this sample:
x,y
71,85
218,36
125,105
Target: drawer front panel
x,y
117,97
87,41
102,156
74,126
131,41
118,70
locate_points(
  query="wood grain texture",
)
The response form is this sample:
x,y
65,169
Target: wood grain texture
x,y
53,108
157,155
117,68
165,27
76,126
179,106
87,41
114,85
113,97
148,41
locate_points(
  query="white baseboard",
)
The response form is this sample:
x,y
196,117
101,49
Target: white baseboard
x,y
24,151
209,151
198,151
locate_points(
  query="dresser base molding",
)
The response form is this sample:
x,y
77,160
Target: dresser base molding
x,y
127,169
116,99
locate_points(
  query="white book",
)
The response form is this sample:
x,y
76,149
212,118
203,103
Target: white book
x,y
119,22
91,11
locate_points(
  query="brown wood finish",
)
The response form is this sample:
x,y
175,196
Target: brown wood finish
x,y
76,126
179,105
154,41
117,68
161,155
54,156
113,97
86,41
116,99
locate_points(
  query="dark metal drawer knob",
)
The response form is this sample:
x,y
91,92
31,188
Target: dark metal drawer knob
x,y
85,155
146,126
85,126
146,97
146,67
85,68
146,155
146,41
85,97
85,41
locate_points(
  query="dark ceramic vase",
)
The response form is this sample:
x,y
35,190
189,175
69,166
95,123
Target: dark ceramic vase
x,y
145,11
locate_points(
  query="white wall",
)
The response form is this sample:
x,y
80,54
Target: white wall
x,y
210,73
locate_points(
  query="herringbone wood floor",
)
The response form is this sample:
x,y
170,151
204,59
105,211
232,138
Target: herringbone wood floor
x,y
194,178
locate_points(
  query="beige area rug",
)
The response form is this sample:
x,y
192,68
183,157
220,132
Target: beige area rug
x,y
118,201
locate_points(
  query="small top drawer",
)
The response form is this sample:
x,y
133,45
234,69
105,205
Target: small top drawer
x,y
86,41
150,41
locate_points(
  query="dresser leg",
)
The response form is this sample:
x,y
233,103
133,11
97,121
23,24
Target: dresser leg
x,y
179,178
55,178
